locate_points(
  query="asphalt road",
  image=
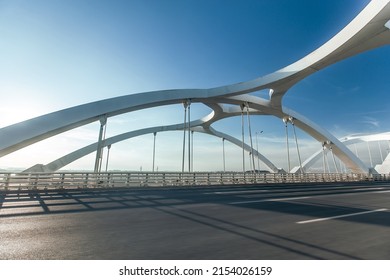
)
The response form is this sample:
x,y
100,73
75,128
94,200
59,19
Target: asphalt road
x,y
338,221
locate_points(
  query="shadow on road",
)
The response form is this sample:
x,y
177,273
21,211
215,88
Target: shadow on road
x,y
70,201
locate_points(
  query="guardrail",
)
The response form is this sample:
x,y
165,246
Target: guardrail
x,y
44,181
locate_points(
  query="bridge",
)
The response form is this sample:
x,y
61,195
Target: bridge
x,y
333,204
369,30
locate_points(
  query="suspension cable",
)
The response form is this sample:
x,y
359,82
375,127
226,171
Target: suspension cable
x,y
334,160
192,151
369,154
250,136
243,139
257,149
388,143
296,142
323,156
223,154
189,134
380,150
327,159
101,154
184,134
108,156
285,120
97,167
356,151
154,149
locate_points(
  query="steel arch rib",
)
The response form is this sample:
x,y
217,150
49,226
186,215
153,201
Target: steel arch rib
x,y
258,105
365,32
349,140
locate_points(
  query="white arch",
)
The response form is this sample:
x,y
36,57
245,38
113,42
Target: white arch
x,y
349,140
365,32
258,106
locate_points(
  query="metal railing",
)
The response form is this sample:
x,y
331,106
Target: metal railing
x,y
74,180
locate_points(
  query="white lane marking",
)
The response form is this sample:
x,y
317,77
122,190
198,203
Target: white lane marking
x,y
341,216
305,197
368,188
288,198
244,202
237,192
369,191
301,190
280,191
271,199
382,192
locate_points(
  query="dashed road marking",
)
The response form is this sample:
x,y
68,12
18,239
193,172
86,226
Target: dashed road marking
x,y
341,216
271,199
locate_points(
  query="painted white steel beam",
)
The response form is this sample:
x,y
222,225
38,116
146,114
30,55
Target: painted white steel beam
x,y
346,141
258,106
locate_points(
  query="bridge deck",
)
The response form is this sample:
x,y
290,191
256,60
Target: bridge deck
x,y
317,221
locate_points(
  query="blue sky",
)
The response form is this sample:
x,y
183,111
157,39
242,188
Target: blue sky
x,y
58,54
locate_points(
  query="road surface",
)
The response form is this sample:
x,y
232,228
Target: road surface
x,y
306,221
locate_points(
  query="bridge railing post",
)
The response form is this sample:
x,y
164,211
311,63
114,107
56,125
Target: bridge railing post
x,y
7,179
146,180
128,180
86,180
